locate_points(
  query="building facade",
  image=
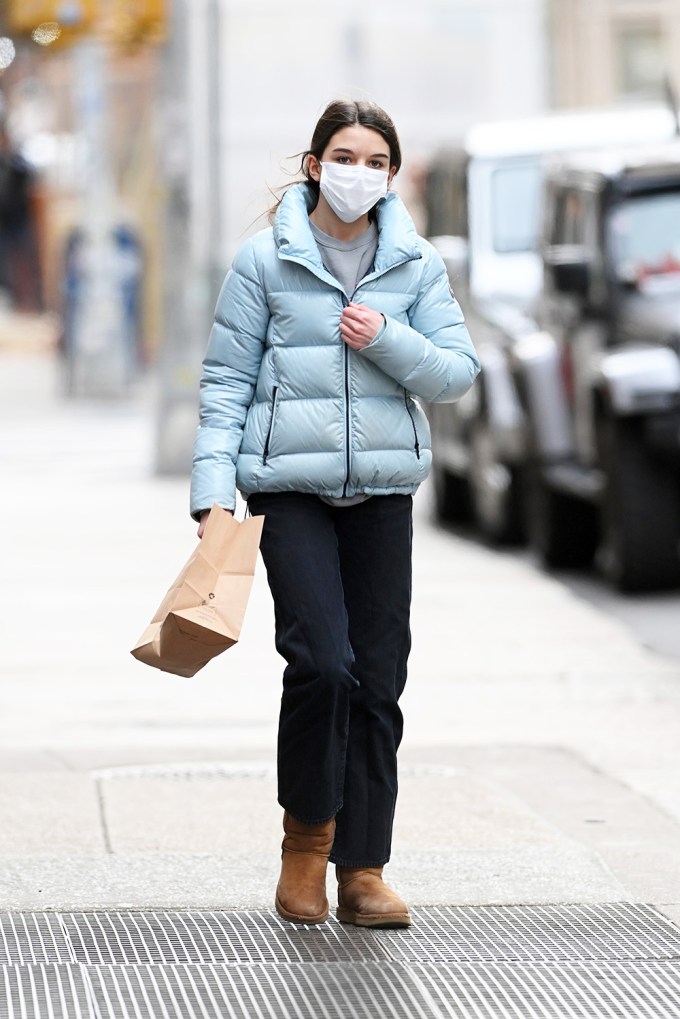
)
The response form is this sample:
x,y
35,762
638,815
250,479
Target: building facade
x,y
613,51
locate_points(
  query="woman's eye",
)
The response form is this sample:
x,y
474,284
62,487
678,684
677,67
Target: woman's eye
x,y
344,159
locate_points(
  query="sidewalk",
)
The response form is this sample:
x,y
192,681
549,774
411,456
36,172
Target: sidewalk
x,y
539,766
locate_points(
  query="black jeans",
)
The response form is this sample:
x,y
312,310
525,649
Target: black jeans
x,y
341,583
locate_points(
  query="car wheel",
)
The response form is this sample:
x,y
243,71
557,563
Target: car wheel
x,y
640,511
451,496
563,530
494,489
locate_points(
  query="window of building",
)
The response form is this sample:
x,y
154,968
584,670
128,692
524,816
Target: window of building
x,y
641,61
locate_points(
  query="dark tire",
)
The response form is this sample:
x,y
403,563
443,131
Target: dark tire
x,y
495,490
640,510
563,530
451,497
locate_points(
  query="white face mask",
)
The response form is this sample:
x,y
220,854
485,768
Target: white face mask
x,y
352,190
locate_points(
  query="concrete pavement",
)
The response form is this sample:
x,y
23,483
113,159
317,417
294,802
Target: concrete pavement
x,y
540,757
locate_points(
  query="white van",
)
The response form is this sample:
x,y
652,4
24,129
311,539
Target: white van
x,y
497,174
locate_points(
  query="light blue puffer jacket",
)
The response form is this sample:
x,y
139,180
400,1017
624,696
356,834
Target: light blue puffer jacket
x,y
286,405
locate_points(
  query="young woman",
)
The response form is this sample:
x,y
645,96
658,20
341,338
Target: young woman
x,y
327,328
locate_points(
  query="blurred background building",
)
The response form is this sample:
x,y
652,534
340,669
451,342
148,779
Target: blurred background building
x,y
605,51
155,129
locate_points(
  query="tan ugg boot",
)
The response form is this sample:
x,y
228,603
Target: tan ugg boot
x,y
366,901
301,891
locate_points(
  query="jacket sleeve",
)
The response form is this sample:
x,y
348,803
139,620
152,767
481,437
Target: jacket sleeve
x,y
433,357
230,370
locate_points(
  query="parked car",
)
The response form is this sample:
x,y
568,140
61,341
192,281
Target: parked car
x,y
485,215
600,383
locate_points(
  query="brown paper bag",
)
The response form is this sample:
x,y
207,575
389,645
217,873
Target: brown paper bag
x,y
202,613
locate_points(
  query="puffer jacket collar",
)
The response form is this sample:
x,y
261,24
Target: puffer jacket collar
x,y
397,237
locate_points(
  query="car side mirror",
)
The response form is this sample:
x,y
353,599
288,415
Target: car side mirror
x,y
568,267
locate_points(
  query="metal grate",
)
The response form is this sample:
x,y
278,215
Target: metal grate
x,y
446,934
310,991
535,934
636,990
540,962
578,991
244,937
33,938
49,991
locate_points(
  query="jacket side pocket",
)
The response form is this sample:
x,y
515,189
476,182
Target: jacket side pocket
x,y
267,441
416,444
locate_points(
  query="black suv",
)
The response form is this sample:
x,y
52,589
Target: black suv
x,y
599,379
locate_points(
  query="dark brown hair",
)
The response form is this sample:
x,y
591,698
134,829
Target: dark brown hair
x,y
338,114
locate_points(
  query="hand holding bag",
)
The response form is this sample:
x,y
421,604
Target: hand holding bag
x,y
202,613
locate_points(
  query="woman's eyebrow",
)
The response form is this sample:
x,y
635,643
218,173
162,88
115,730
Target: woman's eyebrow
x,y
350,152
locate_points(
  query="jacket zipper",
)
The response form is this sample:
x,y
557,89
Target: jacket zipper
x,y
345,303
265,452
413,425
